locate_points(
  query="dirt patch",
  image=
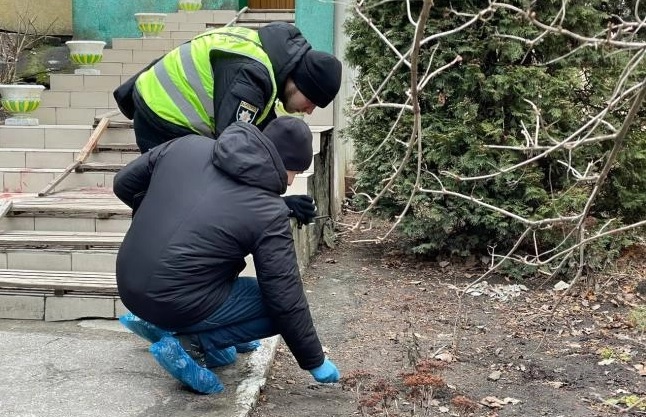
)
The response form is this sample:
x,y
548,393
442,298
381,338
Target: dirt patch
x,y
389,322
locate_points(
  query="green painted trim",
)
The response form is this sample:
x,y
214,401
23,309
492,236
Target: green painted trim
x,y
315,19
107,19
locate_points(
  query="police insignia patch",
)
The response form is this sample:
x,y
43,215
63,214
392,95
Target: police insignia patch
x,y
246,112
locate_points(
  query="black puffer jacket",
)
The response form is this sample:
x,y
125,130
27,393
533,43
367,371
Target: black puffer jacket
x,y
207,205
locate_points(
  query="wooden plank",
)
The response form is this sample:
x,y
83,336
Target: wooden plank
x,y
87,149
40,239
59,281
69,274
5,207
62,286
99,167
123,147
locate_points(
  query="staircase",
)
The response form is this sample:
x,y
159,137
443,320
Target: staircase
x,y
58,250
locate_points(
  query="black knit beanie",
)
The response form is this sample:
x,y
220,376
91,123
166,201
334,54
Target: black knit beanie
x,y
293,139
318,76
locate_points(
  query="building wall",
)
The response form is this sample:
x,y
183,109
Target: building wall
x,y
345,148
321,22
107,19
315,19
53,17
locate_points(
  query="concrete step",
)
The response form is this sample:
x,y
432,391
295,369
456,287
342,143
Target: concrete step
x,y
96,210
76,136
59,239
92,260
71,116
33,180
26,180
59,136
60,158
201,16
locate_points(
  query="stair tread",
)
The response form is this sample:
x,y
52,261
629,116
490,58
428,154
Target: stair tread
x,y
59,280
96,201
21,238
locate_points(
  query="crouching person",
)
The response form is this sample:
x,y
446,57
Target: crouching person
x,y
200,206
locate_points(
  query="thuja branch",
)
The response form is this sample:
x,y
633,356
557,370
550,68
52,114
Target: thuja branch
x,y
416,112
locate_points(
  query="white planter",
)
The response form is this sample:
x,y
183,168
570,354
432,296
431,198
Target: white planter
x,y
86,54
20,100
151,24
189,5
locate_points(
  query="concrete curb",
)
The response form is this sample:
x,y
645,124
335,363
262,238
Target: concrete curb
x,y
259,362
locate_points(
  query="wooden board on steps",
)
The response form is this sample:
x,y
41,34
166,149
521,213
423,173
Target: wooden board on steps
x,y
59,281
103,205
21,238
98,167
123,147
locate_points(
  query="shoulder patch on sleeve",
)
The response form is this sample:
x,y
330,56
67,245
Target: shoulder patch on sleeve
x,y
246,112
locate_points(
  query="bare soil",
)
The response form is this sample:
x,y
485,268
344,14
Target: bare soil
x,y
394,326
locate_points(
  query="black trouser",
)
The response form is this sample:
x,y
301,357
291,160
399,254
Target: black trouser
x,y
151,130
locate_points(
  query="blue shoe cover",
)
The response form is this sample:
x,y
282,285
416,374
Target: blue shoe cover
x,y
142,328
221,357
169,354
247,347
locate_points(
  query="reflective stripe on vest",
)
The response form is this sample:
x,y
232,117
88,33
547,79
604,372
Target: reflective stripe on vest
x,y
179,88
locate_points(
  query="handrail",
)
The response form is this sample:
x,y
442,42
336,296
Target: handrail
x,y
237,16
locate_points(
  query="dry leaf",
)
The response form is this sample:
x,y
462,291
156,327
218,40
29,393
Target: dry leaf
x,y
492,402
494,376
445,357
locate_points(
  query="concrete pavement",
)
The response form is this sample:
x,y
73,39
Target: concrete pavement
x,y
98,368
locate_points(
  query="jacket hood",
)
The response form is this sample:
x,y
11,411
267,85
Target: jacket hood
x,y
285,46
249,157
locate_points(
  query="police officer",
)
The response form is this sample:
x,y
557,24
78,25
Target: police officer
x,y
231,74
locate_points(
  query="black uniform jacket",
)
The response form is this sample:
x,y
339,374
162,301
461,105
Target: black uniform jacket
x,y
240,79
207,205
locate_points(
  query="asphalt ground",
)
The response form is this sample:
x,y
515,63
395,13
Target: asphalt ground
x,y
98,368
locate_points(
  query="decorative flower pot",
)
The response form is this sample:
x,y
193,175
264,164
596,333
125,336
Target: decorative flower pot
x,y
189,5
151,24
20,100
86,54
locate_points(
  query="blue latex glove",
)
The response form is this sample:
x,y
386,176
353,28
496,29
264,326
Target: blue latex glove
x,y
327,372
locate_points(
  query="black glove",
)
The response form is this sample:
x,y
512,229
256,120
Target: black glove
x,y
301,207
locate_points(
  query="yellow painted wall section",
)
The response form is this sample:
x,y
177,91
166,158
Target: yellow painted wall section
x,y
53,17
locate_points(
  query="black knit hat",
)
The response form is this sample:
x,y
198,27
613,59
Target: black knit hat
x,y
293,139
318,76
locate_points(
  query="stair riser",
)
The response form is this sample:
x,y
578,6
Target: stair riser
x,y
73,260
75,137
27,181
58,137
64,222
58,260
16,158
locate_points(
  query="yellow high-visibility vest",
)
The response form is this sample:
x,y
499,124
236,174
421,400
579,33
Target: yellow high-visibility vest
x,y
179,88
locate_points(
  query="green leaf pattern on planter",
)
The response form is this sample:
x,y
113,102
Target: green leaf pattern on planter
x,y
20,106
152,27
190,6
86,59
